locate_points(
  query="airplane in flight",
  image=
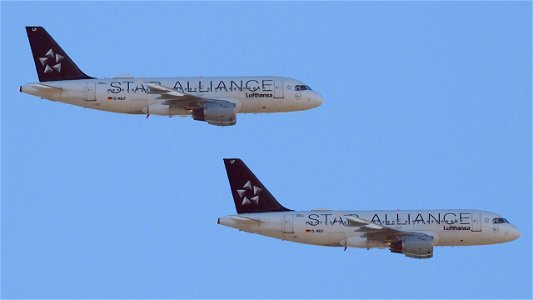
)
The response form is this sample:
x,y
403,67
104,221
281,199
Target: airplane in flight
x,y
411,232
215,100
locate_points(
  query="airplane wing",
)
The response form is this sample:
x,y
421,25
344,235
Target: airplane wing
x,y
163,91
379,232
175,98
354,221
220,112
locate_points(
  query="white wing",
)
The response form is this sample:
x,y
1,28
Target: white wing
x,y
176,98
381,233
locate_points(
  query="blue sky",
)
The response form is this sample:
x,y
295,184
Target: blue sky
x,y
427,105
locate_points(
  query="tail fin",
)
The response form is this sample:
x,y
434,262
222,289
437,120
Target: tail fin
x,y
249,194
51,62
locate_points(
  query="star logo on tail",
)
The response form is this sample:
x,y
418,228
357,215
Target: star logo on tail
x,y
51,62
248,189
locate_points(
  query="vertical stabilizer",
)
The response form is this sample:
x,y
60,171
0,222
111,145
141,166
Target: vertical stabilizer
x,y
249,194
51,62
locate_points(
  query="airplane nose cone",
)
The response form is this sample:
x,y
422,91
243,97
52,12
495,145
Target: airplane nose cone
x,y
513,234
316,99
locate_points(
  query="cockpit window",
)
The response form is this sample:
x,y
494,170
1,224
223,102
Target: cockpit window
x,y
499,221
301,88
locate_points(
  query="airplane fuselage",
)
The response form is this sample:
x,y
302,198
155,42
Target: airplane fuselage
x,y
131,95
215,100
331,228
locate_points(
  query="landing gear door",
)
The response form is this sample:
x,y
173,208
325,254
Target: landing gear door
x,y
278,89
288,225
90,91
476,222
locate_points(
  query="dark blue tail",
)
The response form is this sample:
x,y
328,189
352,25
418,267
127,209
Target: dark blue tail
x,y
51,62
249,194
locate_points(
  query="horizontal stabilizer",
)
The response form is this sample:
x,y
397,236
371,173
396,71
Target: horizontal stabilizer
x,y
44,87
240,219
40,89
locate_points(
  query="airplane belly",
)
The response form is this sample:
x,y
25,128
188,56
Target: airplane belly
x,y
115,105
450,238
322,238
251,106
299,233
469,238
72,101
314,238
316,235
266,105
335,239
136,106
121,104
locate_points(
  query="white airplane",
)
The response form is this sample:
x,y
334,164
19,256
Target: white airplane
x,y
411,232
216,100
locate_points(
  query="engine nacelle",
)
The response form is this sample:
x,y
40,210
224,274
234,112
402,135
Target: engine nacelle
x,y
217,113
414,246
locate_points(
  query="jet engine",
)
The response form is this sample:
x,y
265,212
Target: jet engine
x,y
220,113
414,246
